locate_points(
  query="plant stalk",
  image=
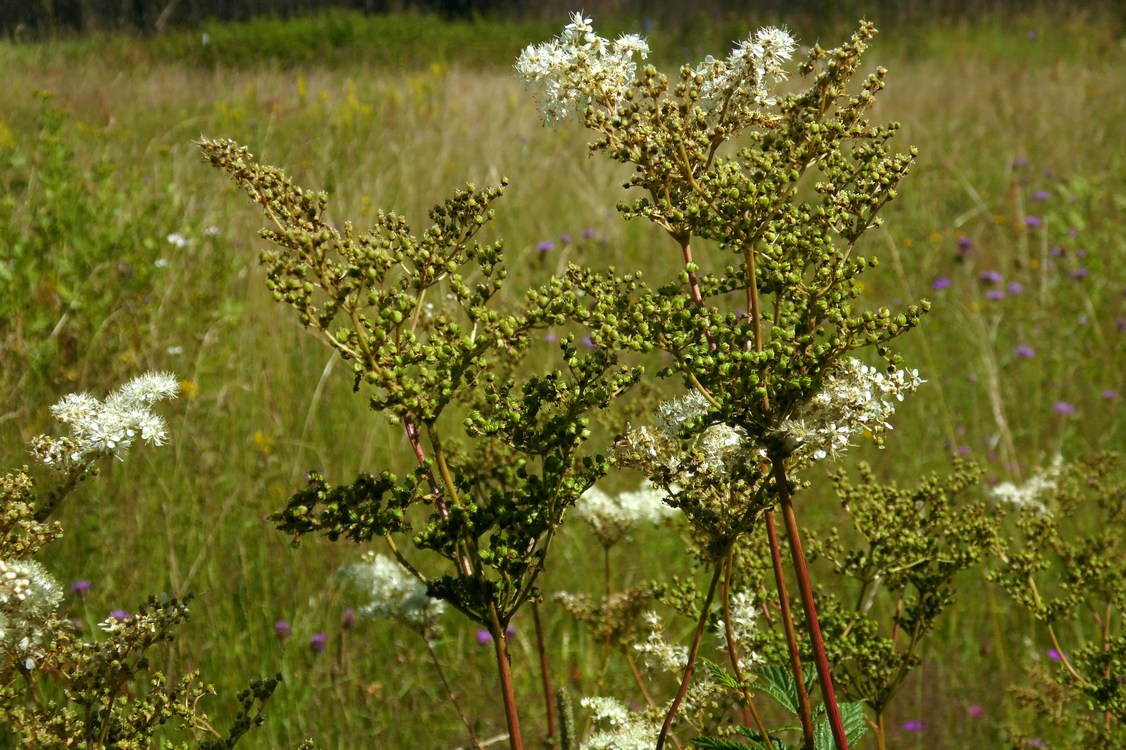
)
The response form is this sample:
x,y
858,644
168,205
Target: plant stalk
x,y
824,675
690,669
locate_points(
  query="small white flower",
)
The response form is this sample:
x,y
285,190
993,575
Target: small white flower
x,y
178,240
614,518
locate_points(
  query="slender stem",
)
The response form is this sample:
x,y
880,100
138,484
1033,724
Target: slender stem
x,y
504,671
750,713
450,693
545,674
690,668
825,677
804,712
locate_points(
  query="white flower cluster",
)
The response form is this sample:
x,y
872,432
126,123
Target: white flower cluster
x,y
657,651
28,597
614,518
109,427
1031,493
716,445
742,83
621,728
394,593
744,617
856,399
579,69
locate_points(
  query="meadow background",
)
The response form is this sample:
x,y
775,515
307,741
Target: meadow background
x,y
121,252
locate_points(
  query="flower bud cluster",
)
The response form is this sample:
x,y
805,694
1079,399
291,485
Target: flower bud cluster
x,y
393,593
744,617
580,69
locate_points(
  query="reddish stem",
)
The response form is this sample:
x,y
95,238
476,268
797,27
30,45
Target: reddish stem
x,y
804,712
824,675
544,673
504,670
690,669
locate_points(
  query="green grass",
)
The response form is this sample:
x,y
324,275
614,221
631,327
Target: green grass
x,y
400,127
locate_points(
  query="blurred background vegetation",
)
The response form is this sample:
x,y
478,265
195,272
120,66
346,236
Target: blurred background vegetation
x,y
120,252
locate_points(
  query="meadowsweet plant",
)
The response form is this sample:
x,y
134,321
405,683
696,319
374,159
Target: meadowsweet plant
x,y
762,333
417,316
59,688
1062,563
764,193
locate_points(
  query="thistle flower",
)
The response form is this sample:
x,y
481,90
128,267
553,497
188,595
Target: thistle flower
x,y
393,593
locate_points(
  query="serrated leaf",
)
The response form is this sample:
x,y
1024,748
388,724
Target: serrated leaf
x,y
852,719
718,743
755,738
778,684
720,675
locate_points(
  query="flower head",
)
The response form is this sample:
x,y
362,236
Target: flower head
x,y
393,593
613,518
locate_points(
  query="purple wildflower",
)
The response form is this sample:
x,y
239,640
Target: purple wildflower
x,y
1079,273
1041,196
120,615
588,342
1109,393
483,637
914,725
588,233
975,710
565,239
282,630
1063,408
1024,351
995,294
545,246
991,277
965,244
1072,232
942,282
1015,287
1020,161
80,588
1057,251
550,337
1033,222
318,641
348,619
1053,654
510,631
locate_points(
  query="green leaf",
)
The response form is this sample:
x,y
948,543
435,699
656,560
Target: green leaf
x,y
779,685
852,718
720,675
717,743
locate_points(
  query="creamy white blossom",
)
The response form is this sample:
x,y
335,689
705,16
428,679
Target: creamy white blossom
x,y
619,727
612,518
109,427
744,618
29,596
743,83
1030,494
393,593
579,69
856,399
